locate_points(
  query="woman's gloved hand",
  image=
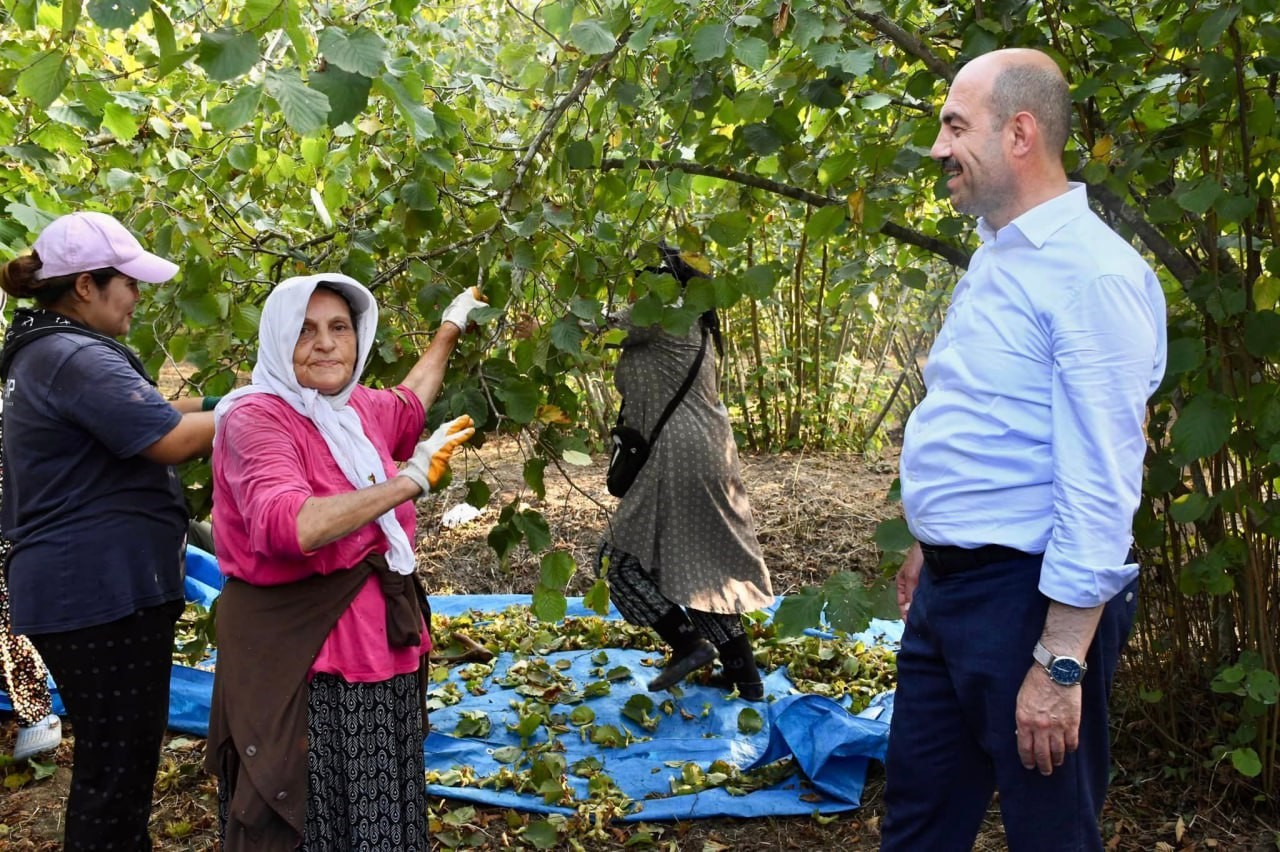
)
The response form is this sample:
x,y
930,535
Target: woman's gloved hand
x,y
431,459
462,305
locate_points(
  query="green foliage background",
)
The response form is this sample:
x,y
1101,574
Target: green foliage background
x,y
539,149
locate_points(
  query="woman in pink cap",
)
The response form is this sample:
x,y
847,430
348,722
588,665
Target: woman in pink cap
x,y
95,511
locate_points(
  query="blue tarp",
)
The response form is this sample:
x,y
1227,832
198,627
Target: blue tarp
x,y
831,747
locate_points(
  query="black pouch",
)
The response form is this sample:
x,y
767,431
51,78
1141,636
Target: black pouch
x,y
630,452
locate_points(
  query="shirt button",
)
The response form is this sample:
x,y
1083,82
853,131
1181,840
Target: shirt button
x,y
281,796
1128,597
251,750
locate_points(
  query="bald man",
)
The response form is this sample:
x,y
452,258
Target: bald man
x,y
1021,471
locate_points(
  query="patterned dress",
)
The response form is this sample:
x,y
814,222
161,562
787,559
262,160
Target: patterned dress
x,y
686,518
22,672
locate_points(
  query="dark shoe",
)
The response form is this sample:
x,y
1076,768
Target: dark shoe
x,y
752,690
702,654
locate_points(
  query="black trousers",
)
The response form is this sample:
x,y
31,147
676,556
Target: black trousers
x,y
114,682
965,652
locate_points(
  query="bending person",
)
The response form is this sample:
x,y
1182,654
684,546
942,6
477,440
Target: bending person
x,y
95,511
318,704
680,554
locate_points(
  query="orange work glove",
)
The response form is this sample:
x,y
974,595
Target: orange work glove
x,y
431,459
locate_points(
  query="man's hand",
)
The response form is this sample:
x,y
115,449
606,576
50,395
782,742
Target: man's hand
x,y
1048,720
459,310
431,459
908,577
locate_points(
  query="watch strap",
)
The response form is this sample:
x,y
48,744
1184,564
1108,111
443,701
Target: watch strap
x,y
1047,658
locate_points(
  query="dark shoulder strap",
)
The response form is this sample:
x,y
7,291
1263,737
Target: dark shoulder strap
x,y
684,389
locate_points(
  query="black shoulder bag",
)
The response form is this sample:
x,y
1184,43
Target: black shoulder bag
x,y
630,449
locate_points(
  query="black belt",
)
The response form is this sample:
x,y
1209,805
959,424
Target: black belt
x,y
943,560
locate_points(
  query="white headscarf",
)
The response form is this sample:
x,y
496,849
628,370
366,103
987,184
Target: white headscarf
x,y
339,424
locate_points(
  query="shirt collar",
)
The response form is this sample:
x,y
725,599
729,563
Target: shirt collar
x,y
1039,223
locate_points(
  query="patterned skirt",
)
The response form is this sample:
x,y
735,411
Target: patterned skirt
x,y
366,779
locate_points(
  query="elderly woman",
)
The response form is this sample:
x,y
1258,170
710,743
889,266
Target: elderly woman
x,y
318,719
95,512
680,554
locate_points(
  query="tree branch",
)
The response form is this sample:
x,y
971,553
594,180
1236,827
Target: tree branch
x,y
1182,268
549,125
905,40
953,254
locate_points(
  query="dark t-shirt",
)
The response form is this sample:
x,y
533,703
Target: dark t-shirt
x,y
97,529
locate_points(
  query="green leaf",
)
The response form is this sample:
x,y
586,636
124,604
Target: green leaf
x,y
532,474
117,14
580,155
348,93
799,612
849,602
119,180
838,167
761,138
239,111
478,493
1203,426
751,52
1246,762
892,535
360,52
758,281
304,109
730,229
592,37
120,122
45,78
537,533
809,28
542,833
567,335
1216,23
1189,507
576,458
750,721
521,398
418,116
1184,355
263,15
1198,197
1262,686
557,569
597,598
709,41
825,220
874,101
200,309
404,9
548,604
1262,334
226,54
71,10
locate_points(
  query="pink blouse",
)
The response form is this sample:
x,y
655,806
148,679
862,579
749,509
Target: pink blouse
x,y
268,460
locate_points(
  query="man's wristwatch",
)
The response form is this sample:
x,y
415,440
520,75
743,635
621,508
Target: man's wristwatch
x,y
1064,671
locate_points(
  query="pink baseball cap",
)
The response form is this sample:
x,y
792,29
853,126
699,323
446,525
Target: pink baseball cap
x,y
83,242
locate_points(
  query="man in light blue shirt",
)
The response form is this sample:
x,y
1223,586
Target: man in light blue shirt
x,y
1021,471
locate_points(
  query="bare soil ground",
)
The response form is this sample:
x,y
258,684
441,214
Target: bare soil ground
x,y
815,515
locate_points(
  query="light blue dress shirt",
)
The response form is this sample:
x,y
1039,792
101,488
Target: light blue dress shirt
x,y
1031,431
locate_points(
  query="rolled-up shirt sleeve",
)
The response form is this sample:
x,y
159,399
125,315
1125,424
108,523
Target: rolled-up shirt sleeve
x,y
1104,352
264,473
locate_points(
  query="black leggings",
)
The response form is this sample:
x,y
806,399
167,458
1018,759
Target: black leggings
x,y
114,682
640,602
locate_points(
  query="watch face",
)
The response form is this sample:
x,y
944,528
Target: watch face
x,y
1065,671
